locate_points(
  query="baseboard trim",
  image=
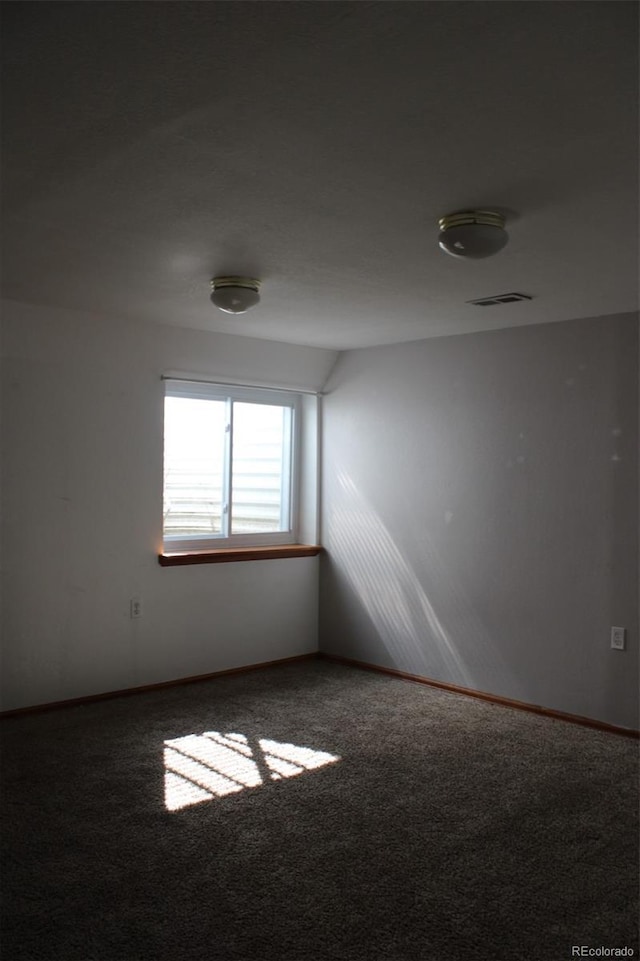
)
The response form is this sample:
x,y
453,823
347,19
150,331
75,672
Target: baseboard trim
x,y
348,662
483,696
145,688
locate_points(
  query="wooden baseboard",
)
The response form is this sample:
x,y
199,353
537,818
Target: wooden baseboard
x,y
145,688
347,661
482,695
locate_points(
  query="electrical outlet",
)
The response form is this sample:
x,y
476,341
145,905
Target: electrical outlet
x,y
135,607
617,638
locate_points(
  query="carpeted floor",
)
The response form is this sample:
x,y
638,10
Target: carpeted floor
x,y
314,812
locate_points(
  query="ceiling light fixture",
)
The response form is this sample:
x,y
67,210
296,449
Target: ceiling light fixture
x,y
472,234
235,295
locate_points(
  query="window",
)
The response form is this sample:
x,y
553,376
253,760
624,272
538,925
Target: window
x,y
230,467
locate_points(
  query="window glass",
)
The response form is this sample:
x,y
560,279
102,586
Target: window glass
x,y
194,442
259,463
229,467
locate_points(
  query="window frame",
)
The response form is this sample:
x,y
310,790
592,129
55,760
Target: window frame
x,y
229,393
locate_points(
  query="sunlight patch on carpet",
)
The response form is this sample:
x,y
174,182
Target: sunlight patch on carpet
x,y
200,767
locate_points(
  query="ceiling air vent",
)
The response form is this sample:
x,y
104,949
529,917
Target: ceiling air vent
x,y
511,298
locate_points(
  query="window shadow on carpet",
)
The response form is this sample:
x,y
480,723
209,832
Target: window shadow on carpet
x,y
202,767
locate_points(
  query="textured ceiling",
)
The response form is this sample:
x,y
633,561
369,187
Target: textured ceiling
x,y
148,146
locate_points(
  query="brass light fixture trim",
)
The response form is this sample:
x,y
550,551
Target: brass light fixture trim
x,y
487,217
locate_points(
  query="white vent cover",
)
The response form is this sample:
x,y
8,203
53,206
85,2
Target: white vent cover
x,y
511,298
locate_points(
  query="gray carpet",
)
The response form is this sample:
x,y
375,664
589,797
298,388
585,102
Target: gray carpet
x,y
448,828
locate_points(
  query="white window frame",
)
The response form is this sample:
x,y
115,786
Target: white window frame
x,y
290,479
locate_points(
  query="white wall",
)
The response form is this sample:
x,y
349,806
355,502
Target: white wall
x,y
480,512
82,513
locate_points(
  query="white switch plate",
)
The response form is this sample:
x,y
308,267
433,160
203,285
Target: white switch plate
x,y
617,638
135,607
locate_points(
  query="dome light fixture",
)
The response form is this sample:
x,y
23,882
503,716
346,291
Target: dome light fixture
x,y
235,295
472,234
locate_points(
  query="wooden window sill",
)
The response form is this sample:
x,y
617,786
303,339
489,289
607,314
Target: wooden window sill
x,y
226,555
